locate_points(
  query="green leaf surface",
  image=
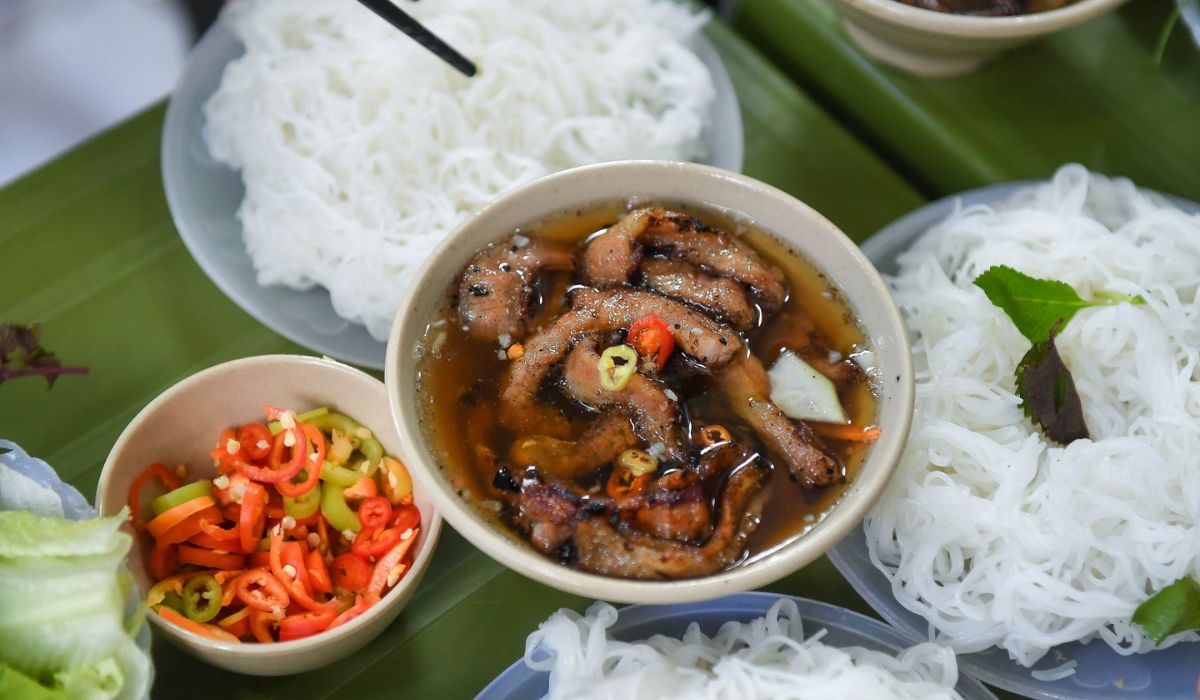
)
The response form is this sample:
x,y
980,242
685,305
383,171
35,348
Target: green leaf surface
x,y
1174,609
1034,305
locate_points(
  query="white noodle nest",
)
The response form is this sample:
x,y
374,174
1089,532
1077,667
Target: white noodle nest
x,y
360,150
993,534
765,659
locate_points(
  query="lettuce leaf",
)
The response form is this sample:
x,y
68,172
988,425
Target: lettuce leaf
x,y
62,608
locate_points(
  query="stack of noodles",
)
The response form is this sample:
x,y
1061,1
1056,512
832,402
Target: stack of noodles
x,y
360,150
765,659
988,530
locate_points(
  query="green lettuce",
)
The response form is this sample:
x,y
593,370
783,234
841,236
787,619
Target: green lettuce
x,y
62,610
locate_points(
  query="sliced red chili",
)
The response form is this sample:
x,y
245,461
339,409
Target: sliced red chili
x,y
363,488
299,595
312,465
318,574
383,570
291,554
406,517
306,625
276,470
189,527
209,559
653,340
360,607
262,623
371,543
258,589
252,516
163,561
255,440
374,512
350,572
218,533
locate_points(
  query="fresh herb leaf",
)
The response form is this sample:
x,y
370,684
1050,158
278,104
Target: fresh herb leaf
x,y
22,355
1033,304
1048,392
1174,609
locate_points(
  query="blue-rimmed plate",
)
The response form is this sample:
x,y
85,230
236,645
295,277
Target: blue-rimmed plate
x,y
1101,673
845,628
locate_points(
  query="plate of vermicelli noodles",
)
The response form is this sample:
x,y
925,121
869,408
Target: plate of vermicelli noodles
x,y
750,646
1059,565
313,156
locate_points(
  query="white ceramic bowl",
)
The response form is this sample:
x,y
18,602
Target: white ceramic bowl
x,y
794,222
936,44
179,427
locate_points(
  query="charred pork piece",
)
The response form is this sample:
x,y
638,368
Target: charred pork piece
x,y
708,342
655,417
611,258
496,288
600,444
721,297
748,389
548,512
675,507
618,551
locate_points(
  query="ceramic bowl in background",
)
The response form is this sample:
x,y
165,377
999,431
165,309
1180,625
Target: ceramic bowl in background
x,y
180,426
936,44
796,224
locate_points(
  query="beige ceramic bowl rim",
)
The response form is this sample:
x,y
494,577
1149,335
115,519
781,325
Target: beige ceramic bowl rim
x,y
989,27
838,521
296,645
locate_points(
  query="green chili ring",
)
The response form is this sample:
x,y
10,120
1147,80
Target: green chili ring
x,y
201,598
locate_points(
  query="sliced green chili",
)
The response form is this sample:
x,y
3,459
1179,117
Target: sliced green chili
x,y
181,495
336,511
172,600
306,417
367,444
304,505
201,598
340,476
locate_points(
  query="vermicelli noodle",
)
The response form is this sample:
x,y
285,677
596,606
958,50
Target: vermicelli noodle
x,y
994,534
768,658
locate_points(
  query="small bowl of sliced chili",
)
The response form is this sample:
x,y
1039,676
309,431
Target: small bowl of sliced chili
x,y
275,532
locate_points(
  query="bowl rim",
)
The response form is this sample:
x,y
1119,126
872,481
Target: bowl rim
x,y
780,560
182,636
984,27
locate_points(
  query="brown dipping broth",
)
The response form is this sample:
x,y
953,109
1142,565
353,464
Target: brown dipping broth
x,y
459,378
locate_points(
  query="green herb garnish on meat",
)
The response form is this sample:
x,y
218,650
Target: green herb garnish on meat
x,y
1035,305
22,355
1174,609
1048,392
1040,309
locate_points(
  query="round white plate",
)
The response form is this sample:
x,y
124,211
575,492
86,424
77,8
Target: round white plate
x,y
1101,674
844,628
204,196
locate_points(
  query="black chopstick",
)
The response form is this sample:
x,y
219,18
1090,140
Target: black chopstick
x,y
406,23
